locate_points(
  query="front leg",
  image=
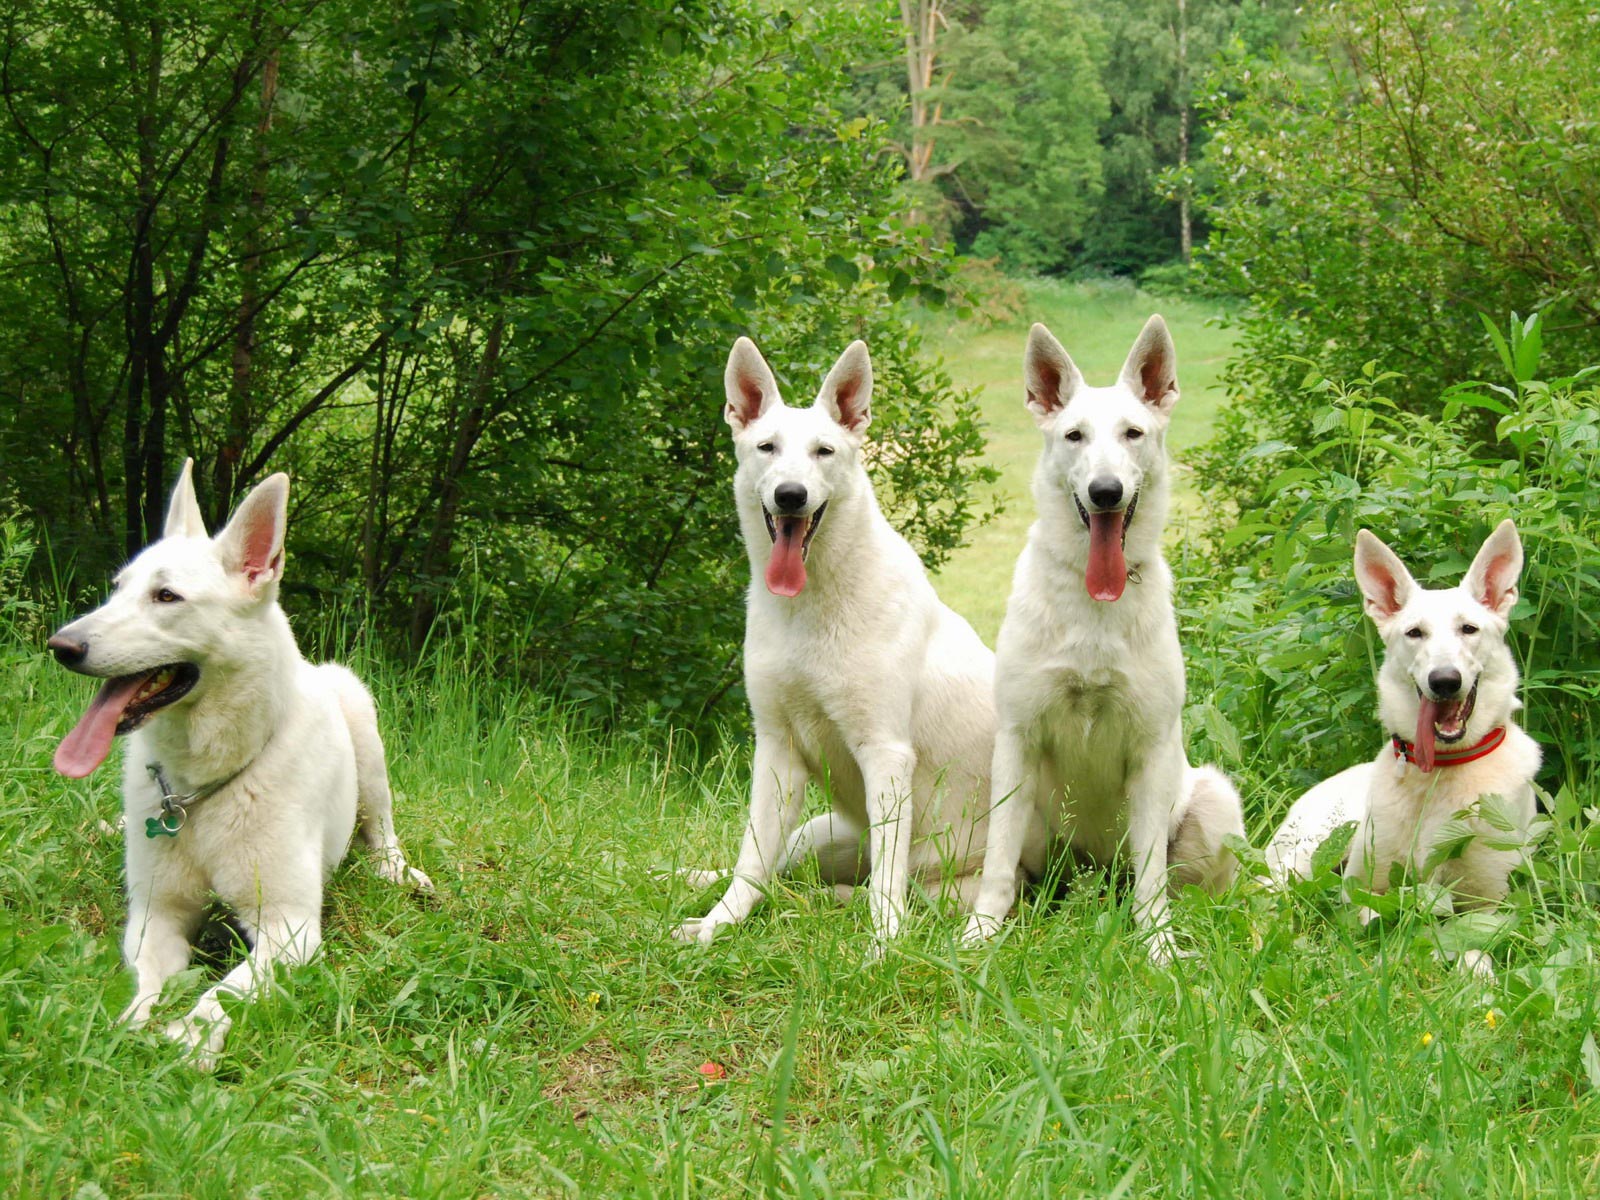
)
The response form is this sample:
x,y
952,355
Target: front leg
x,y
1013,792
1366,867
777,788
1153,791
287,939
887,771
156,945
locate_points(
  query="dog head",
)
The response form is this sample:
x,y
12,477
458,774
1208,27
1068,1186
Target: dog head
x,y
1105,447
794,462
1447,673
183,607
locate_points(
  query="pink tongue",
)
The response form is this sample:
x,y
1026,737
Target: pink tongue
x,y
1108,570
1422,750
786,569
86,747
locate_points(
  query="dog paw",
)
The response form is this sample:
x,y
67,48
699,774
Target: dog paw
x,y
1366,916
201,1039
1164,949
697,929
419,880
1477,964
980,928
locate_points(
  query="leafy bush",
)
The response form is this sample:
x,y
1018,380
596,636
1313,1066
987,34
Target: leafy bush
x,y
1418,164
1282,671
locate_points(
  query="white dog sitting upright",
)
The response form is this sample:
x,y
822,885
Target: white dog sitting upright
x,y
245,765
856,673
1449,684
1089,680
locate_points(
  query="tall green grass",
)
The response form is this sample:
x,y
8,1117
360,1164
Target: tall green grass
x,y
534,1031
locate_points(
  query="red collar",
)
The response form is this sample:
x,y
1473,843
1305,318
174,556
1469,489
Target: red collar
x,y
1488,744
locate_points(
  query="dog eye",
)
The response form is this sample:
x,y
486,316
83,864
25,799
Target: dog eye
x,y
166,596
824,451
1469,630
1133,435
765,447
1414,632
1074,435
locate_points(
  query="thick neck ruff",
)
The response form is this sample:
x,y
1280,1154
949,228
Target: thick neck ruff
x,y
1482,748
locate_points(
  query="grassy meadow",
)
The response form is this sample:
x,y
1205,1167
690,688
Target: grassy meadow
x,y
532,1030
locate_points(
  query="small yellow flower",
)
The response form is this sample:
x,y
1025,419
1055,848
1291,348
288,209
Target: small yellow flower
x,y
1489,1018
594,999
1427,1039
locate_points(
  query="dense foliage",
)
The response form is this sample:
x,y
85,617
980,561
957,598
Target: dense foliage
x,y
1421,164
469,272
1286,658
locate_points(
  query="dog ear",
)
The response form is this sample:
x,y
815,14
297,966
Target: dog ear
x,y
183,510
1048,373
1385,583
1492,578
750,384
1151,372
847,391
252,543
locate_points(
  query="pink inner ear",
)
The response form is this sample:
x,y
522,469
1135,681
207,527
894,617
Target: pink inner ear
x,y
846,398
1382,588
259,544
1155,379
749,406
1048,396
1495,581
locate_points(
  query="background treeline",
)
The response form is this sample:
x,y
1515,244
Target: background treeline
x,y
469,270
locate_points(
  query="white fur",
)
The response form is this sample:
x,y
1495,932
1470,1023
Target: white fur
x,y
303,739
1089,752
863,682
1399,809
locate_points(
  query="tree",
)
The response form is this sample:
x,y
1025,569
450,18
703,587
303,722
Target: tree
x,y
469,273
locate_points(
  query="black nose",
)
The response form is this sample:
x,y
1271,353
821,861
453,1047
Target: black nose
x,y
790,497
1444,682
1105,491
69,652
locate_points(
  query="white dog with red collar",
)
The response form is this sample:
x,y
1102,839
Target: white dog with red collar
x,y
1447,695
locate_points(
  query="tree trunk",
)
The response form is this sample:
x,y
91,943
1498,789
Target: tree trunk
x,y
1185,228
241,387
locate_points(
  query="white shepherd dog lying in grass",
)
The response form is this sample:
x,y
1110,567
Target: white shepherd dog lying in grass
x,y
858,676
1447,692
245,766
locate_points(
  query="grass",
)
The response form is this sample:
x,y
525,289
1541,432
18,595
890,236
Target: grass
x,y
1097,323
532,1030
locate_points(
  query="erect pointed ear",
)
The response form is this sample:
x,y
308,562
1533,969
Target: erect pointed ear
x,y
1385,583
847,391
1048,373
1151,372
750,384
1492,578
252,543
183,510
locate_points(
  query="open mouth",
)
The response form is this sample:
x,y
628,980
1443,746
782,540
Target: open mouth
x,y
1126,514
1448,717
1107,574
123,704
791,542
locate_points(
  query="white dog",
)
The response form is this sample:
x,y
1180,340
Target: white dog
x,y
858,676
1447,693
245,766
1089,681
